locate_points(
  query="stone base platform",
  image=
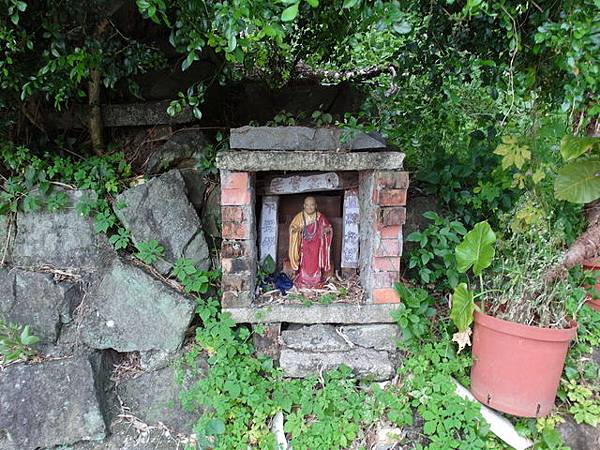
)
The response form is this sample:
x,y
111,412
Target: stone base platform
x,y
334,313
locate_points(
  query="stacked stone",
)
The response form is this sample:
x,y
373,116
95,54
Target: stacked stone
x,y
369,350
389,214
86,303
238,249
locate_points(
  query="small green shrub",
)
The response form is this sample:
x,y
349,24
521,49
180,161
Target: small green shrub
x,y
413,314
433,262
16,342
149,252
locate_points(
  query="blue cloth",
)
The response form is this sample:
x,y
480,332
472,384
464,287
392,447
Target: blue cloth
x,y
280,281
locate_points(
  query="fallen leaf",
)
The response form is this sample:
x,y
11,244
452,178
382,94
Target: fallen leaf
x,y
462,339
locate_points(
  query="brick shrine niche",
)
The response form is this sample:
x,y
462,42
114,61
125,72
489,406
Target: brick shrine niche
x,y
359,186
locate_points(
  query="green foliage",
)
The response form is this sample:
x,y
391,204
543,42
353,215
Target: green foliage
x,y
193,280
244,392
321,119
120,240
266,268
240,393
16,342
413,314
473,187
149,252
578,181
34,181
579,388
327,299
104,221
207,165
193,98
434,259
50,50
512,153
572,147
476,249
463,307
449,421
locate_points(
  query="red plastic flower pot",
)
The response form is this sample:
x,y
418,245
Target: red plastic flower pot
x,y
517,368
593,265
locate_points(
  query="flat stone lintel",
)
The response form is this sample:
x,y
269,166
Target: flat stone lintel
x,y
336,313
258,160
300,138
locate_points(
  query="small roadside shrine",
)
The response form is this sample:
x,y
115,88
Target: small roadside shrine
x,y
326,215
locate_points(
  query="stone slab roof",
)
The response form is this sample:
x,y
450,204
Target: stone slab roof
x,y
300,138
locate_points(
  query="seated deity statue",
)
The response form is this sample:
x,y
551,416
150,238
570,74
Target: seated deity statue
x,y
310,247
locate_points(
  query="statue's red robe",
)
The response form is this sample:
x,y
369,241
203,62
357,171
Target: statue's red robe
x,y
310,250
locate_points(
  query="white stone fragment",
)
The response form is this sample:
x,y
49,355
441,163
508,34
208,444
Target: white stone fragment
x,y
277,430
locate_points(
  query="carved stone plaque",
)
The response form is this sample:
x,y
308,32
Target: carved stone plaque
x,y
268,227
351,242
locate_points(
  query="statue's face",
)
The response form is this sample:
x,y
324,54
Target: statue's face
x,y
310,205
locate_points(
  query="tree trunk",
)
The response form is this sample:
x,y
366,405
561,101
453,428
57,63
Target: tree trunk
x,y
96,127
586,246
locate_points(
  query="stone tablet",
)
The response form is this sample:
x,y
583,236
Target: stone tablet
x,y
268,227
304,183
351,242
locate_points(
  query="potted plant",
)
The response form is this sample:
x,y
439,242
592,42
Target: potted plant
x,y
522,329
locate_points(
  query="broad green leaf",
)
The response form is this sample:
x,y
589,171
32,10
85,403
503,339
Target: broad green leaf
x,y
476,249
26,338
313,3
350,3
578,181
572,146
231,42
268,264
214,427
403,27
289,13
431,215
463,307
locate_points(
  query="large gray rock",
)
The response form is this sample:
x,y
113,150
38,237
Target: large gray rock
x,y
48,404
579,436
35,299
364,362
160,209
163,405
376,336
315,338
299,138
61,239
195,184
129,310
184,149
125,436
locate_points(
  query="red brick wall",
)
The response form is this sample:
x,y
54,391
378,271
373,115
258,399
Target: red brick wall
x,y
238,250
389,200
